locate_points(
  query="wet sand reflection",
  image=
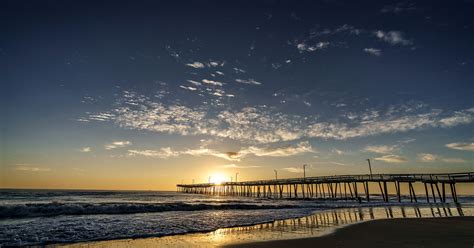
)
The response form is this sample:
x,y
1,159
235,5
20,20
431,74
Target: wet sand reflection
x,y
318,224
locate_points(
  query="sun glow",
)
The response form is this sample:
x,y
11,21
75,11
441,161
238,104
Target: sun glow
x,y
218,178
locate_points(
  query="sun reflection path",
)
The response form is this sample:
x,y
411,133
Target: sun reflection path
x,y
318,224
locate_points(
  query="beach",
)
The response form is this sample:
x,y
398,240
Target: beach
x,y
426,232
384,226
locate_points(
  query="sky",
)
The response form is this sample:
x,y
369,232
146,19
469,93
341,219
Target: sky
x,y
149,94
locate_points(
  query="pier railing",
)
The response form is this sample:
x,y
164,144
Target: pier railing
x,y
333,186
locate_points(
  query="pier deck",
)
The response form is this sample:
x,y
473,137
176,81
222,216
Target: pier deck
x,y
338,187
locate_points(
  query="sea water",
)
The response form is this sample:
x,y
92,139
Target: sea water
x,y
38,217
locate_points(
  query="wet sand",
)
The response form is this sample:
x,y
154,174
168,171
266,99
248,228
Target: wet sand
x,y
425,232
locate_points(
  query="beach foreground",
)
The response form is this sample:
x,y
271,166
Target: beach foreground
x,y
425,232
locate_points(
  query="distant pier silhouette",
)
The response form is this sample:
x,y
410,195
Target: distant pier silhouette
x,y
339,187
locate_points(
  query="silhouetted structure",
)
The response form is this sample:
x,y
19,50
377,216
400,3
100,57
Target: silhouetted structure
x,y
337,187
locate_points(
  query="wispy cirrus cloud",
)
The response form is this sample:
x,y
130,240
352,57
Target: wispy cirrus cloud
x,y
305,47
165,152
462,146
293,169
85,149
454,160
458,118
392,158
373,51
267,125
212,82
398,7
234,166
382,149
393,37
203,151
117,144
30,168
427,157
248,81
196,64
283,151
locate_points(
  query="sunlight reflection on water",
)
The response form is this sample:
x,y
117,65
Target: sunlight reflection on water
x,y
318,224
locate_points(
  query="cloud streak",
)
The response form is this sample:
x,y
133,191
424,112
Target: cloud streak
x,y
31,168
383,149
117,144
391,158
267,125
304,47
196,64
283,151
373,51
461,146
248,81
393,37
165,152
429,158
85,149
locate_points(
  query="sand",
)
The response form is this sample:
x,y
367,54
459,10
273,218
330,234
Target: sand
x,y
426,232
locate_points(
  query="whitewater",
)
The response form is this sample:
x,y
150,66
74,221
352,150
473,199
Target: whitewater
x,y
39,217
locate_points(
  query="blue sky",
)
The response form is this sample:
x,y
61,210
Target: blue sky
x,y
188,89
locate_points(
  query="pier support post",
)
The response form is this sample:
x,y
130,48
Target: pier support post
x,y
426,191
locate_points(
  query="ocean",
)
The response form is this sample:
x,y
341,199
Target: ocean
x,y
39,217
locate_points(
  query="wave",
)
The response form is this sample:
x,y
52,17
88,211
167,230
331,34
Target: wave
x,y
56,208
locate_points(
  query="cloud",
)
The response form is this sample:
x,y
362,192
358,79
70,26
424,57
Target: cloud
x,y
264,125
196,65
391,158
203,151
294,169
427,157
383,149
234,166
344,29
462,146
165,152
454,160
188,88
248,81
98,117
304,47
393,37
285,151
117,144
85,149
212,82
398,8
458,118
215,63
373,51
194,82
24,167
238,70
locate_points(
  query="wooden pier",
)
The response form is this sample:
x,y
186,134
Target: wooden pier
x,y
346,187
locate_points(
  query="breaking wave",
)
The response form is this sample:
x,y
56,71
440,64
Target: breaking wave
x,y
56,209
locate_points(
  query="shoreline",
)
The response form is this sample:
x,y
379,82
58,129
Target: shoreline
x,y
398,232
320,224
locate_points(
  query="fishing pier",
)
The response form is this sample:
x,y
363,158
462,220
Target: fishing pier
x,y
346,187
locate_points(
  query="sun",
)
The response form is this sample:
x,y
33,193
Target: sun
x,y
218,178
